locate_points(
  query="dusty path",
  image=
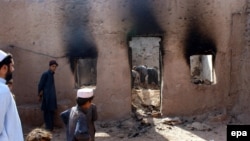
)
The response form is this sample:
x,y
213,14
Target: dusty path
x,y
153,130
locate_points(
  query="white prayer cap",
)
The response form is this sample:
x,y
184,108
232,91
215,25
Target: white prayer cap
x,y
85,93
3,55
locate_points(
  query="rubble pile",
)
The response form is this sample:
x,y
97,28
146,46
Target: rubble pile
x,y
127,128
146,102
146,119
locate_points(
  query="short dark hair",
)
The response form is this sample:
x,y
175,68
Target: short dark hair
x,y
53,62
6,61
82,101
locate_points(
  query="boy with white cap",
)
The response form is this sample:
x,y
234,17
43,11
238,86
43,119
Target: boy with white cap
x,y
79,119
10,124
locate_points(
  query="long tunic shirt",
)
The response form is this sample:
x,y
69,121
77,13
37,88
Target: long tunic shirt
x,y
47,85
76,123
92,117
10,124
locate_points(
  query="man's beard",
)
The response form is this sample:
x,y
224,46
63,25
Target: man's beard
x,y
8,75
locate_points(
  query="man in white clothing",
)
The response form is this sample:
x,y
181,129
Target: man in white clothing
x,y
10,124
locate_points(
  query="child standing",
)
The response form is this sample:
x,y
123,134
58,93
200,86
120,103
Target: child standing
x,y
79,119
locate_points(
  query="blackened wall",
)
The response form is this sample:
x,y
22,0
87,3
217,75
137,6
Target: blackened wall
x,y
35,31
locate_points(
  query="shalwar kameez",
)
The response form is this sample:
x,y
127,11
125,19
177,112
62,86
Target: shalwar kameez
x,y
10,124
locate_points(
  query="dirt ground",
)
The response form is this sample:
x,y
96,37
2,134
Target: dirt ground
x,y
145,124
156,129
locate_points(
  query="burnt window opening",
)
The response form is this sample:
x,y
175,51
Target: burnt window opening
x,y
146,62
200,54
85,73
202,70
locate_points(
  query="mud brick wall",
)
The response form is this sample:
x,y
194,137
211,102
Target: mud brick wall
x,y
36,31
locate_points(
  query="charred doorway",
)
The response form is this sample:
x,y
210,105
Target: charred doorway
x,y
145,60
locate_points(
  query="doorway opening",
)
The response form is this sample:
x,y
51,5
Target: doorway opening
x,y
146,63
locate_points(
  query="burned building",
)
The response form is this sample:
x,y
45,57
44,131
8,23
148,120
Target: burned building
x,y
201,52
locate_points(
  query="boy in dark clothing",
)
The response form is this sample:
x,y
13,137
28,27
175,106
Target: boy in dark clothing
x,y
47,94
79,119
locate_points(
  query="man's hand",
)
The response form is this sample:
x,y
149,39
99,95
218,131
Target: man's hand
x,y
40,96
